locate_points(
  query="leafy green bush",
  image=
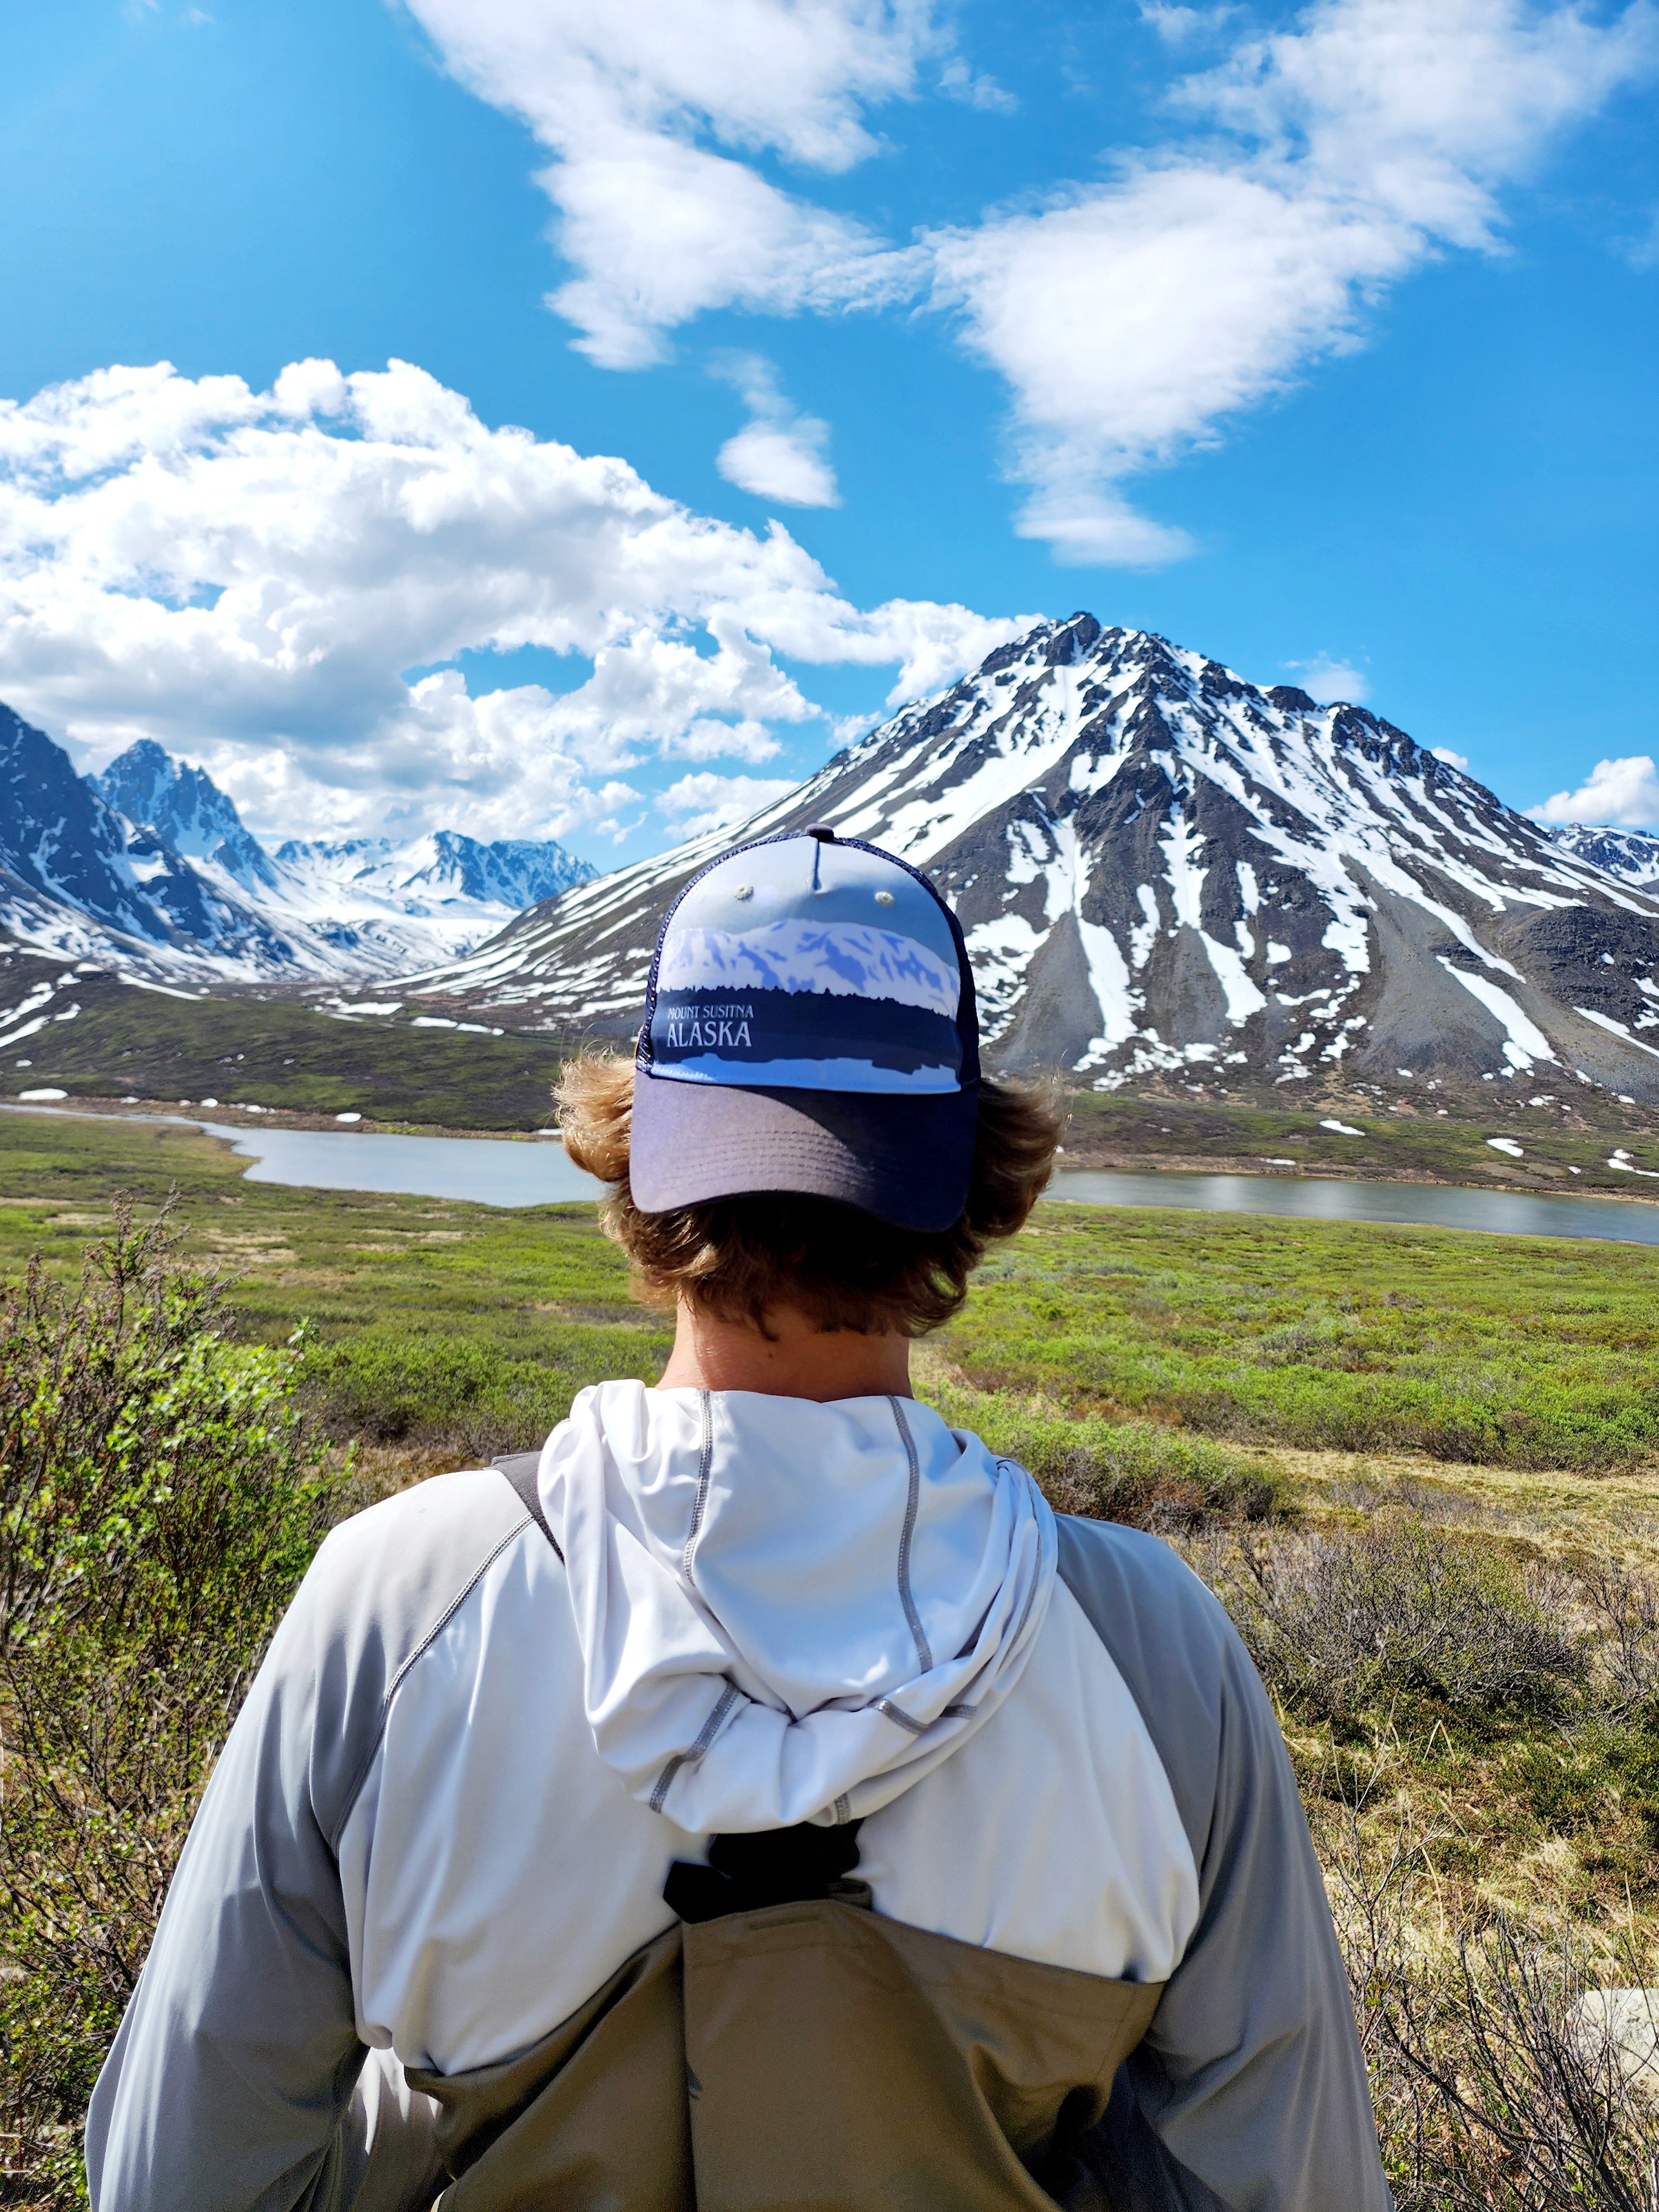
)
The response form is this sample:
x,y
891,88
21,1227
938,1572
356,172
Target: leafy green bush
x,y
462,1392
159,1498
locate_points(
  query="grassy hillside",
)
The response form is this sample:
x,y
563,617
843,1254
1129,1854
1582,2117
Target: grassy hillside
x,y
283,1052
1567,1135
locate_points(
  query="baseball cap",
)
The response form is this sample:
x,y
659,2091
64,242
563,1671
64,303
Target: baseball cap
x,y
810,1026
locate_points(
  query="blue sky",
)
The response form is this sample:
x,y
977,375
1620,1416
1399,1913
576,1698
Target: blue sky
x,y
1320,339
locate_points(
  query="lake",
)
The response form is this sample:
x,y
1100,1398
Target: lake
x,y
485,1170
1320,1198
498,1171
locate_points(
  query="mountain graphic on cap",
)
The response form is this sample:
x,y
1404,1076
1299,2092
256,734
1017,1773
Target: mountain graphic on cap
x,y
810,1027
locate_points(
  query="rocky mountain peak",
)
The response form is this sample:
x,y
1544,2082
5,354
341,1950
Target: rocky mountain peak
x,y
1632,855
148,865
1165,870
185,808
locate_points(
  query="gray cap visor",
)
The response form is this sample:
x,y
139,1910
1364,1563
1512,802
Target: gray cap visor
x,y
908,1161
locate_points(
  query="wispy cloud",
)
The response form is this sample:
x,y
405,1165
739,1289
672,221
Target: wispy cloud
x,y
1184,26
779,454
1132,320
956,81
652,113
1642,251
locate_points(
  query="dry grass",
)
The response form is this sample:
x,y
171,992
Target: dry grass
x,y
1556,1512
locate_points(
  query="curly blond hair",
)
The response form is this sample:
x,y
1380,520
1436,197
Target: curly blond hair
x,y
743,1259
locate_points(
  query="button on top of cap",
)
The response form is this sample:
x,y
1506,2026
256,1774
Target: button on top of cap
x,y
823,835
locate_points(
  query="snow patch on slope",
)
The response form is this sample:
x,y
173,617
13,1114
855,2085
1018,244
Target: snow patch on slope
x,y
1524,1043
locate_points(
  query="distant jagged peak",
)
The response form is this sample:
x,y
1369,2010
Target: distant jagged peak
x,y
517,871
188,811
149,786
148,864
185,808
443,865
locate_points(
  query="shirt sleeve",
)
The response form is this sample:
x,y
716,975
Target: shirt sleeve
x,y
1249,2091
239,2051
230,2087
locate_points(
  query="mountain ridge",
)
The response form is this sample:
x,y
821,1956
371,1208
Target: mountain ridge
x,y
148,864
1632,855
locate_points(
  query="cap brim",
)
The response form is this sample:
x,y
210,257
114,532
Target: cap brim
x,y
908,1161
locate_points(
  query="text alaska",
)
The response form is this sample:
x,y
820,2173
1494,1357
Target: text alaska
x,y
707,1028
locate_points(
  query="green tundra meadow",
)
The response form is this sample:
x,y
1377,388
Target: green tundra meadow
x,y
1421,1467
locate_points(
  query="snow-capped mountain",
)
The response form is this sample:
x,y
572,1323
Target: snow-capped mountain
x,y
1162,868
80,879
381,908
511,873
150,865
1631,854
186,810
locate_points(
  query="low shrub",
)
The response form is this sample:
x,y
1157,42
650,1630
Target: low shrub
x,y
1496,2084
1625,1609
1148,1474
160,1498
1328,1337
1338,1624
467,1396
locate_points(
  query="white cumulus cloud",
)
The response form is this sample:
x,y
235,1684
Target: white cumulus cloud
x,y
779,454
279,582
706,801
1452,759
1622,794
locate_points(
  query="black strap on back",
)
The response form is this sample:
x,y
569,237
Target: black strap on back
x,y
776,1866
520,1471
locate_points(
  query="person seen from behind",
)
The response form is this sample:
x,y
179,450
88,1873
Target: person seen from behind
x,y
758,1798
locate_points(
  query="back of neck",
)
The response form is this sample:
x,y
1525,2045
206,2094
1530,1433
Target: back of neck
x,y
795,1361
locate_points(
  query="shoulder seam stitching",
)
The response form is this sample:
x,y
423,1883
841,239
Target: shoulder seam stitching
x,y
395,1683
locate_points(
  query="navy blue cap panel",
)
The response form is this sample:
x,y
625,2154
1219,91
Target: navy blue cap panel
x,y
804,964
906,1161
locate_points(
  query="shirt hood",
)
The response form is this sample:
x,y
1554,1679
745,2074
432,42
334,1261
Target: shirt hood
x,y
788,1611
